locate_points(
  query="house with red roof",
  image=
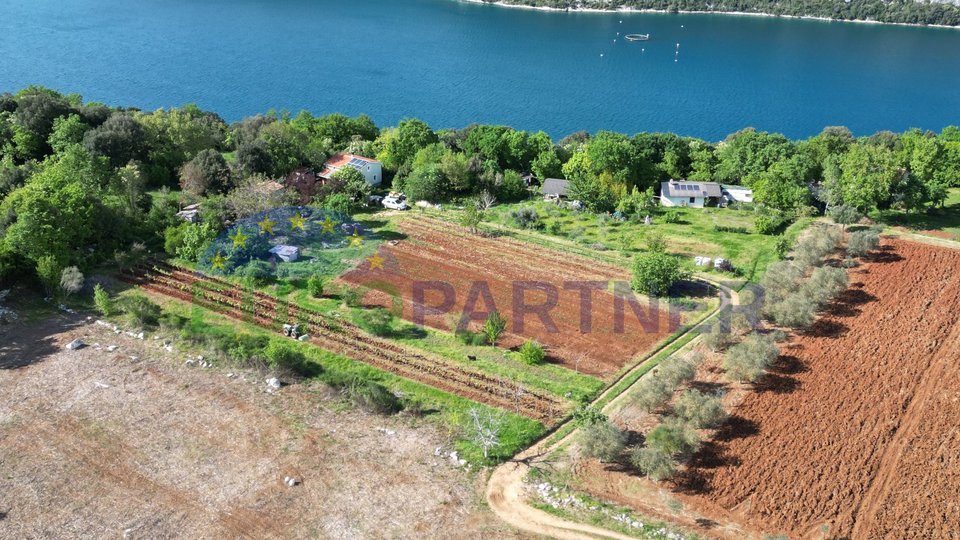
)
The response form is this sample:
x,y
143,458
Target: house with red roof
x,y
371,169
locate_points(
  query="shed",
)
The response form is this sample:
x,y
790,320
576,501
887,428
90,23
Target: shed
x,y
555,187
286,253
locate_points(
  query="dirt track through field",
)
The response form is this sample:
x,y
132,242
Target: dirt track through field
x,y
854,433
585,337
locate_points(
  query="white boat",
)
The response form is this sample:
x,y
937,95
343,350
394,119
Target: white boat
x,y
637,37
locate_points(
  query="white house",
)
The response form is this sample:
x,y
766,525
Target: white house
x,y
688,193
371,169
732,194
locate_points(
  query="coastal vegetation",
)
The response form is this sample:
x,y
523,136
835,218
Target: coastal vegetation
x,y
896,11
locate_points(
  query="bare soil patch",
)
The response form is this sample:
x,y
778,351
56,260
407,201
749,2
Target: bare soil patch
x,y
440,252
95,443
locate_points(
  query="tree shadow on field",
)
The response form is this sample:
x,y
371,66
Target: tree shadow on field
x,y
884,255
736,427
827,328
845,304
708,387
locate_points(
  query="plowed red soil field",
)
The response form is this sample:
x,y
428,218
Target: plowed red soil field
x,y
435,251
856,433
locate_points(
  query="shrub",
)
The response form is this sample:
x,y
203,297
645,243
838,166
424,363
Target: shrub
x,y
257,272
471,338
656,242
654,273
526,218
102,301
494,327
140,310
285,358
671,216
653,462
700,410
718,340
352,296
748,360
782,246
674,438
680,369
71,280
652,392
377,321
371,396
194,240
586,415
173,238
555,228
767,224
844,215
532,353
862,242
730,229
601,440
315,286
797,310
825,283
49,271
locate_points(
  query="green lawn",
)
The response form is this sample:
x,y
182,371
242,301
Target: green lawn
x,y
693,233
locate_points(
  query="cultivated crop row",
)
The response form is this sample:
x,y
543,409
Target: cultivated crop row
x,y
344,338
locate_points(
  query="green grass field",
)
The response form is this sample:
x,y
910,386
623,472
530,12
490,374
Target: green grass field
x,y
694,232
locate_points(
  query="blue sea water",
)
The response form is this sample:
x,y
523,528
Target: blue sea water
x,y
453,63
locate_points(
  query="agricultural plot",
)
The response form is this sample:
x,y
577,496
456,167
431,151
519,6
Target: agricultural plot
x,y
854,433
344,338
445,277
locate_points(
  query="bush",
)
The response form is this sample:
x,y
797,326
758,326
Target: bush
x,y
862,242
315,286
532,353
654,273
102,301
656,242
653,462
782,247
652,392
680,369
601,440
257,273
748,360
494,327
844,215
371,396
71,280
377,321
285,358
555,228
671,216
797,310
718,340
767,223
586,415
140,310
731,229
471,338
700,410
526,218
674,438
825,283
49,270
352,296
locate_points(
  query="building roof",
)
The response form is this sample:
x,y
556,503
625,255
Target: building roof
x,y
684,188
339,161
556,186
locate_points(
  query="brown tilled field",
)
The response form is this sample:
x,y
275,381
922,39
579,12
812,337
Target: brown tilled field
x,y
855,434
96,444
441,252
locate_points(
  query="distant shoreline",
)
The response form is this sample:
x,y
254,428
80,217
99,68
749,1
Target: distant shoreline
x,y
703,12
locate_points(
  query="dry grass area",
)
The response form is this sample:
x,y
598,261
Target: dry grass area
x,y
95,444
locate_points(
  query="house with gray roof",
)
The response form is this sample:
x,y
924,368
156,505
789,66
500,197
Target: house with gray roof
x,y
554,188
689,193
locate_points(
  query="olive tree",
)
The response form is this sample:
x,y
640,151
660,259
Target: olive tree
x,y
862,242
747,360
653,462
701,410
601,440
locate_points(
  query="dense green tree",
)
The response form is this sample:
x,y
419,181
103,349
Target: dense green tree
x,y
176,136
207,172
120,139
868,175
67,131
655,272
747,153
402,143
